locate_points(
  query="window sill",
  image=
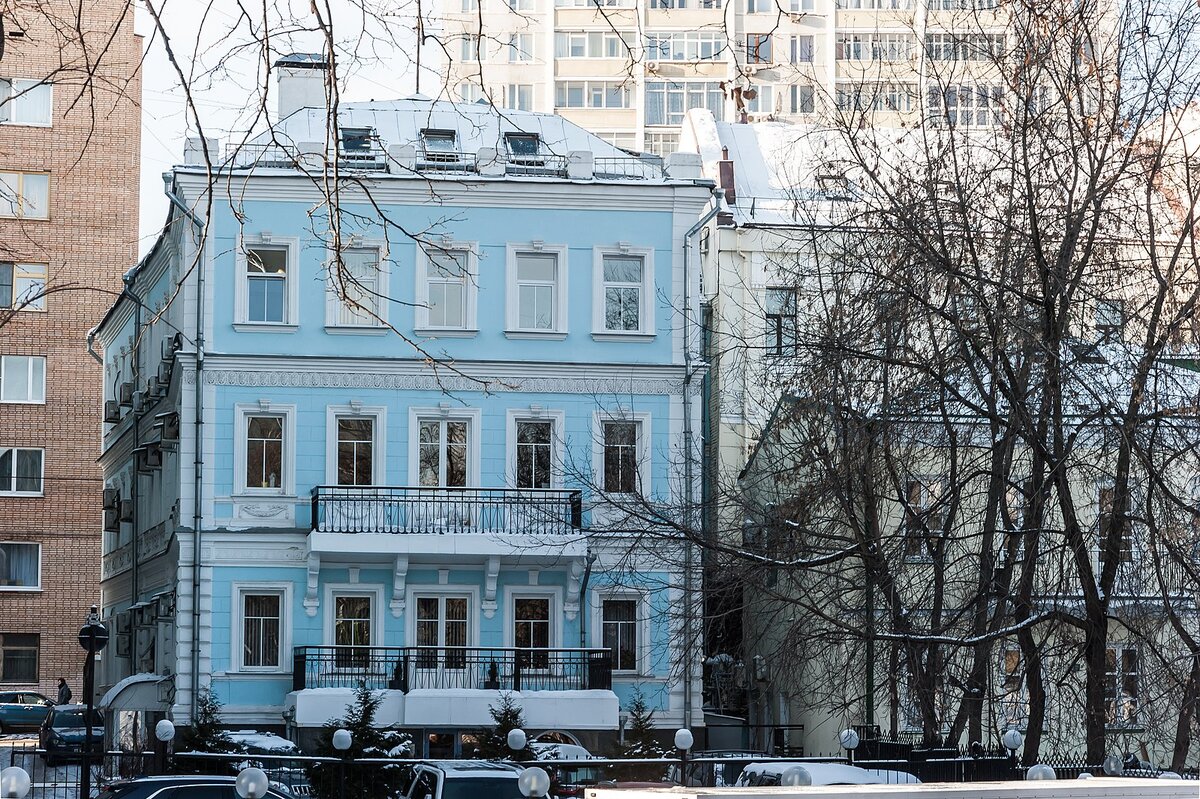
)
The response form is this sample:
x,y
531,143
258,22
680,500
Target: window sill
x,y
252,494
357,330
265,327
254,673
446,332
22,494
632,336
22,402
549,335
25,589
27,124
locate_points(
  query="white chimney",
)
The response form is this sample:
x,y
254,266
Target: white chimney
x,y
300,82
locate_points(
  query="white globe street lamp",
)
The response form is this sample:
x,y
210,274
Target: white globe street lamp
x,y
796,775
14,783
251,783
164,730
534,782
517,739
848,739
1041,772
1113,766
684,739
1012,740
342,740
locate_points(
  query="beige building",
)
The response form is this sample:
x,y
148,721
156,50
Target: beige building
x,y
630,69
69,150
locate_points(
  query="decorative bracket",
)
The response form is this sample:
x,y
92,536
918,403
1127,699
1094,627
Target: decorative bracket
x,y
310,594
399,577
489,587
574,577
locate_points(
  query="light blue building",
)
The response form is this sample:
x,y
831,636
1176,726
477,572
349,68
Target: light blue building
x,y
411,443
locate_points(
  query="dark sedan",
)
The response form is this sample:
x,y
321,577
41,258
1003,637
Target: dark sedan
x,y
63,733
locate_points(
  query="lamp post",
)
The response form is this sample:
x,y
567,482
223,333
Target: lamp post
x,y
848,738
534,782
251,783
1041,772
93,637
342,739
14,783
683,742
164,733
517,740
1113,766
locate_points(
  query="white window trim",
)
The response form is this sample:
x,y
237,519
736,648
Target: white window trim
x,y
4,370
514,592
596,611
472,416
557,420
41,476
14,101
26,588
470,318
284,590
264,408
642,419
291,317
473,609
645,331
512,315
372,590
376,413
333,302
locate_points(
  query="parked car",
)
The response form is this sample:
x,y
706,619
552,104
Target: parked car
x,y
183,786
438,779
568,780
22,710
63,733
715,775
757,774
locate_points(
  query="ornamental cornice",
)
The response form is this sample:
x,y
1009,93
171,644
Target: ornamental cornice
x,y
443,383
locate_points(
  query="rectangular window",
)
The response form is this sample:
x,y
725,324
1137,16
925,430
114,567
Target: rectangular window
x,y
439,145
21,471
25,102
1109,318
266,284
780,312
520,48
801,6
522,145
1105,494
758,48
441,623
18,658
685,46
20,565
264,452
25,195
23,379
442,452
803,99
763,101
803,49
923,515
592,94
531,631
520,96
620,457
355,451
965,105
352,631
261,626
623,282
620,632
850,47
446,288
470,5
668,101
23,286
537,291
535,441
1121,689
356,287
661,143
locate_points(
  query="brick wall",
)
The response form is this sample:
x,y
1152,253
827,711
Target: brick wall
x,y
91,151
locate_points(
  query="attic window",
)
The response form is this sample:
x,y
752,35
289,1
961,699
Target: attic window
x,y
357,140
439,145
523,145
835,186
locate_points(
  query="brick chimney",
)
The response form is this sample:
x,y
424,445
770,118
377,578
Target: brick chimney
x,y
300,82
725,176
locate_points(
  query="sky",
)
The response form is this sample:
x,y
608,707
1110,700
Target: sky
x,y
223,56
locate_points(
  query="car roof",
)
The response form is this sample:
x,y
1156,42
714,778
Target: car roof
x,y
480,768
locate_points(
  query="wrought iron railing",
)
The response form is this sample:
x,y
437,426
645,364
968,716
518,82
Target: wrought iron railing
x,y
439,510
417,667
630,168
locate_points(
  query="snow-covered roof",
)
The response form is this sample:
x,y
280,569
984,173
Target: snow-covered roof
x,y
263,741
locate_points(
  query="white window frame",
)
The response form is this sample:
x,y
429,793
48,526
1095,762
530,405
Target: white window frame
x,y
333,302
241,412
472,416
27,588
643,626
470,326
378,415
18,301
291,290
474,610
644,448
517,52
557,421
514,592
282,589
41,477
372,590
512,312
646,329
18,89
19,182
7,364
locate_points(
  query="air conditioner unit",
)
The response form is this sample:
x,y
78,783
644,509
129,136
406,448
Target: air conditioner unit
x,y
166,606
164,373
652,66
152,388
112,498
126,510
169,424
139,400
112,411
752,69
149,457
125,394
112,522
171,345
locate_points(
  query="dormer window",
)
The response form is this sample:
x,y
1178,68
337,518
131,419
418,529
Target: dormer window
x,y
357,140
522,145
439,145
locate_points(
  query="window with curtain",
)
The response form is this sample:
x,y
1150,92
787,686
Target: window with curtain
x,y
619,626
18,658
25,102
357,287
20,565
20,471
261,619
531,631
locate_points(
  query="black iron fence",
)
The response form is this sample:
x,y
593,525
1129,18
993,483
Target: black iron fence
x,y
417,667
442,510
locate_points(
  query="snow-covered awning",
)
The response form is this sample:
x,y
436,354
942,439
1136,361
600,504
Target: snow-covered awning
x,y
135,692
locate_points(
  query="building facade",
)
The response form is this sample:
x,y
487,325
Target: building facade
x,y
630,69
69,145
407,449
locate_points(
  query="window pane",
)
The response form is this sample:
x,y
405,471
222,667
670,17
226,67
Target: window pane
x,y
29,284
18,658
29,470
260,631
6,284
355,449
536,267
19,565
264,451
35,196
620,457
622,270
533,454
456,453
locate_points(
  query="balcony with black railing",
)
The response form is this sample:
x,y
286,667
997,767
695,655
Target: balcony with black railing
x,y
446,511
451,668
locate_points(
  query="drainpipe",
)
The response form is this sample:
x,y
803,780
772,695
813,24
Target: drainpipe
x,y
689,453
134,582
198,461
583,610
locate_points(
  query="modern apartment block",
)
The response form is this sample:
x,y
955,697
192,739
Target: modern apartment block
x,y
69,150
630,69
